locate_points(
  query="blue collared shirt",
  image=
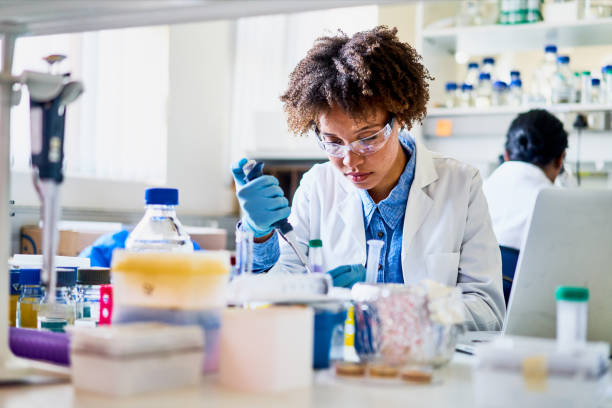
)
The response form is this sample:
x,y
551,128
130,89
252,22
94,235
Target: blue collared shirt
x,y
384,221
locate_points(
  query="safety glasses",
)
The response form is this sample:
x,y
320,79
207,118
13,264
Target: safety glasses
x,y
362,147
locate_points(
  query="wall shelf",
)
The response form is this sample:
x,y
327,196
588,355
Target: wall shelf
x,y
492,39
433,113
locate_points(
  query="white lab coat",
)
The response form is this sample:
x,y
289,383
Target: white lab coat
x,y
511,192
447,232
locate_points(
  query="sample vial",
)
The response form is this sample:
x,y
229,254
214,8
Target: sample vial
x,y
244,252
14,297
451,95
315,255
571,317
54,315
31,294
89,283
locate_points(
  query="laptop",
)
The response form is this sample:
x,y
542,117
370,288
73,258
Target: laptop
x,y
569,243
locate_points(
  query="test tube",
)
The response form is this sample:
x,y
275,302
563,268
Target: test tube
x,y
571,317
244,252
374,247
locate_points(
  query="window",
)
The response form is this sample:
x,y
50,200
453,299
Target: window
x,y
117,129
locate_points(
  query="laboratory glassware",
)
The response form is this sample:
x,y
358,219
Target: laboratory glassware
x,y
31,294
374,248
572,313
315,255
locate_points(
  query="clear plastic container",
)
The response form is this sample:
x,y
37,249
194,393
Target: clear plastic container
x,y
500,91
484,92
31,295
576,88
541,91
452,97
488,65
471,78
597,9
466,99
533,12
514,75
608,84
373,262
89,284
572,313
315,255
596,120
244,252
160,229
57,313
562,81
515,96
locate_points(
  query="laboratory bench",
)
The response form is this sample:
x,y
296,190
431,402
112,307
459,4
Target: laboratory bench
x,y
451,386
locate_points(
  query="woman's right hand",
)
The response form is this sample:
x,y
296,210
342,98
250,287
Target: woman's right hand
x,y
262,201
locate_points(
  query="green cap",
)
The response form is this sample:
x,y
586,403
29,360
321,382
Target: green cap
x,y
586,72
572,294
315,243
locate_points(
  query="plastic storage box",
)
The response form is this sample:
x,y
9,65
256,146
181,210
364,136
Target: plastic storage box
x,y
530,372
128,359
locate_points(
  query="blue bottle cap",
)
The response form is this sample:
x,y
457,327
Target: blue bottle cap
x,y
517,83
161,196
473,65
451,86
488,60
563,59
485,76
500,85
14,282
605,68
595,81
467,87
29,277
66,277
515,73
551,48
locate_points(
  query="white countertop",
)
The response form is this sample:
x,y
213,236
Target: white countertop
x,y
452,387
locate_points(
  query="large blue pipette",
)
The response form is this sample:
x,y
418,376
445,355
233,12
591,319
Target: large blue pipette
x,y
252,170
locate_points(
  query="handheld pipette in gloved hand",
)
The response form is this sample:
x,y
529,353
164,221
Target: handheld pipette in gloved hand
x,y
253,170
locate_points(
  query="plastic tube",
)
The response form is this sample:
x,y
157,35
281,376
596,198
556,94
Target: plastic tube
x,y
40,345
374,247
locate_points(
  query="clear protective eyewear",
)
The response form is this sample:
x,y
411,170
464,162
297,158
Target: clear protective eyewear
x,y
362,147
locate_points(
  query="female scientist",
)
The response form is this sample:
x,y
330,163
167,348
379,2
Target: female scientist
x,y
535,149
359,95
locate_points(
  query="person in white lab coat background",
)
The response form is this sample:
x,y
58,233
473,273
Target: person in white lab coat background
x,y
359,95
534,152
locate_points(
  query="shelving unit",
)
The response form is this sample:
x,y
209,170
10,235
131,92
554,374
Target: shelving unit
x,y
515,110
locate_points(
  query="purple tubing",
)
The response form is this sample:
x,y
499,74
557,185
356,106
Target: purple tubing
x,y
40,345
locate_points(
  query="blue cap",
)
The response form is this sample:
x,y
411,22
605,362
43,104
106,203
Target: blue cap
x,y
473,65
484,75
451,86
467,87
14,282
66,277
29,277
606,68
595,81
550,48
488,60
563,59
515,73
162,196
500,85
516,82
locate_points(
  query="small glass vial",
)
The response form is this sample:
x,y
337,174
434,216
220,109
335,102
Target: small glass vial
x,y
488,65
514,75
451,95
61,312
485,91
467,96
500,90
244,251
572,311
608,84
89,283
515,97
585,94
30,297
315,255
471,77
14,297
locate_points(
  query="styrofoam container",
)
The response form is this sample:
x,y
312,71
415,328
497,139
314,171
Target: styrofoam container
x,y
128,359
266,350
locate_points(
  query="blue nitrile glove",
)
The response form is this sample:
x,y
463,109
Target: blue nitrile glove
x,y
262,201
347,275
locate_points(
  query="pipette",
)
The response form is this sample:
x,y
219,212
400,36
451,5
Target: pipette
x,y
374,247
252,169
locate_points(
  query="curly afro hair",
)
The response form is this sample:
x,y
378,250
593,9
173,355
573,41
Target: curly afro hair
x,y
371,70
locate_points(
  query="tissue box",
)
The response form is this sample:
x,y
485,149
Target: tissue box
x,y
266,350
128,359
531,372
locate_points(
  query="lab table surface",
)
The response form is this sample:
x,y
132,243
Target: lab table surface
x,y
452,387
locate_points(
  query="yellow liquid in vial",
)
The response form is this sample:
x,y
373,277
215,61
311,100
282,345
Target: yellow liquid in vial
x,y
28,315
13,310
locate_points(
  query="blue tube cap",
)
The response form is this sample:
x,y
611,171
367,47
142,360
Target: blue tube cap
x,y
467,87
451,86
563,59
485,76
473,65
161,196
488,60
550,48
